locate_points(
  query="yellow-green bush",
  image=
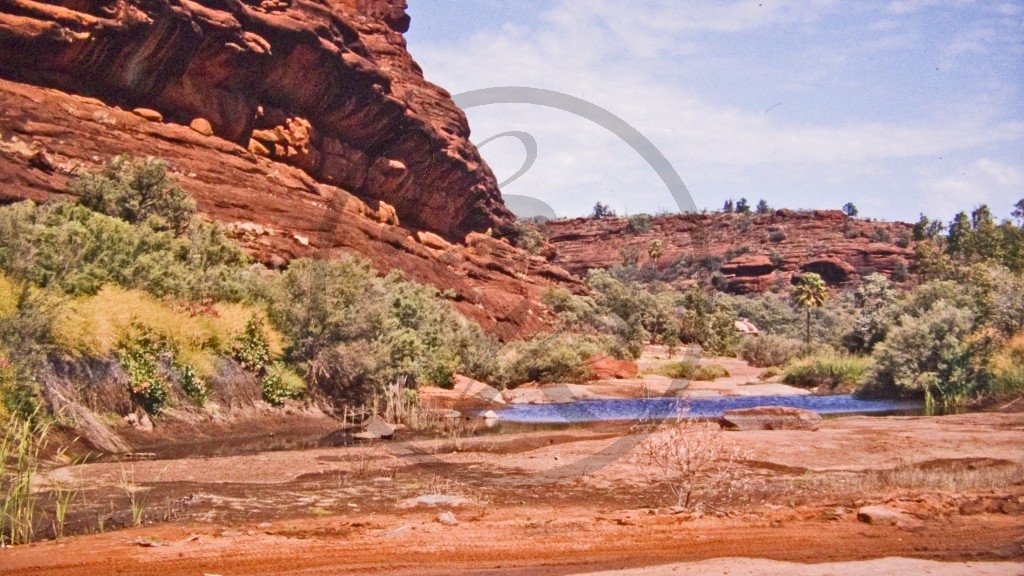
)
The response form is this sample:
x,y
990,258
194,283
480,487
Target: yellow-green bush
x,y
832,371
93,326
1008,367
709,372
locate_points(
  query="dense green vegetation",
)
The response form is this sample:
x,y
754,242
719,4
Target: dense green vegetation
x,y
130,274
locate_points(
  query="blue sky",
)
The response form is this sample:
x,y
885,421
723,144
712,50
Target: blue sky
x,y
901,107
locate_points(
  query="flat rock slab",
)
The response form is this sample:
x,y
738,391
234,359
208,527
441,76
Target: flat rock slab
x,y
885,516
770,418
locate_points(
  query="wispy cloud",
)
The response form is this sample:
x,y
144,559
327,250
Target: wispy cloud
x,y
697,79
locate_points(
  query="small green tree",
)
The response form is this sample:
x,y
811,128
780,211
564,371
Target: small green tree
x,y
728,206
763,207
850,210
602,211
742,206
136,191
809,292
655,249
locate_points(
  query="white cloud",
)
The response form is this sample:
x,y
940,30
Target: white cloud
x,y
652,63
984,181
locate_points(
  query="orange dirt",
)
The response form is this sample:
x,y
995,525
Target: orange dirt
x,y
354,509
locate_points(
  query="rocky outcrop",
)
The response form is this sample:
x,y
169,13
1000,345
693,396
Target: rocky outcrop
x,y
611,369
741,253
324,86
274,210
770,418
304,126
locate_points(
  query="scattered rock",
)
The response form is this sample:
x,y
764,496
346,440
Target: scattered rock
x,y
140,422
202,126
609,368
770,418
431,240
432,500
885,516
447,518
148,114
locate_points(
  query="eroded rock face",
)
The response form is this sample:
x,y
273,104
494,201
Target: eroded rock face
x,y
752,252
323,85
276,211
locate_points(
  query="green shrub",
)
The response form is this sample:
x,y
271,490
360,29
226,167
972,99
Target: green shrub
x,y
682,370
768,350
833,372
192,383
709,372
280,384
75,250
140,355
136,191
639,224
934,356
550,358
251,348
1008,368
769,373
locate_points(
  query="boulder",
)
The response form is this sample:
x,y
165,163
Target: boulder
x,y
611,369
148,114
770,418
202,126
885,516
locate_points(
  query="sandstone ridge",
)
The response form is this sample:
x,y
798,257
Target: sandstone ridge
x,y
326,86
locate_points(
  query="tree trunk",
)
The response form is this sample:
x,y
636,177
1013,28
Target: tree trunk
x,y
807,330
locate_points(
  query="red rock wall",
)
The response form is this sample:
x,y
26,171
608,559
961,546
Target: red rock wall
x,y
323,85
756,251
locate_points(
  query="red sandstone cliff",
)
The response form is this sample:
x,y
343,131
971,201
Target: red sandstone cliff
x,y
752,252
323,85
288,121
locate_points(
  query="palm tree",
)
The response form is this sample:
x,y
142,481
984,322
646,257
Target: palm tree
x,y
810,292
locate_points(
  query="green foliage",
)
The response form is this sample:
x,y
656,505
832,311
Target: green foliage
x,y
1008,368
742,206
834,372
72,249
27,318
602,211
639,224
875,302
682,370
655,249
554,358
763,207
20,444
932,355
192,383
710,322
251,348
809,292
136,191
140,355
327,309
280,384
709,372
850,210
980,238
728,206
769,350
